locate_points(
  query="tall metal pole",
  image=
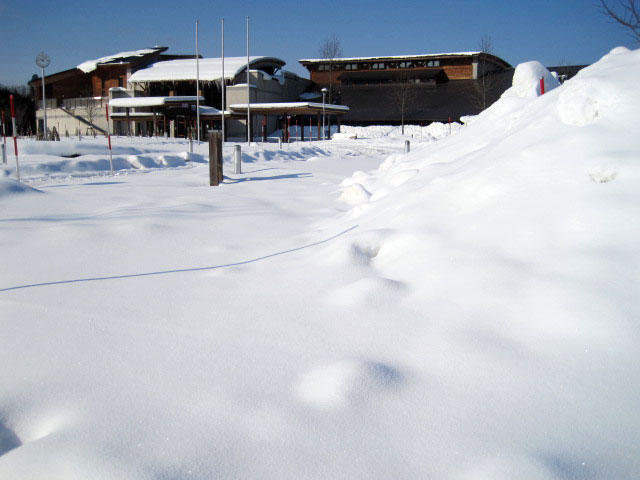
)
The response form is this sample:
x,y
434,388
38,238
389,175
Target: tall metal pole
x,y
248,91
44,105
15,134
324,91
224,86
197,84
109,140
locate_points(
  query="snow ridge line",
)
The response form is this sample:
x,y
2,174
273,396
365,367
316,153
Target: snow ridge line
x,y
180,270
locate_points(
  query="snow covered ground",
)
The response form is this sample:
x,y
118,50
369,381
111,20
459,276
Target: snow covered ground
x,y
340,310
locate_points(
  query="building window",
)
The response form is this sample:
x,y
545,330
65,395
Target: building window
x,y
323,68
378,66
120,82
405,64
351,66
433,63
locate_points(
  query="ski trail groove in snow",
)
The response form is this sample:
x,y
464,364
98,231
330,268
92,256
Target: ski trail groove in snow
x,y
179,270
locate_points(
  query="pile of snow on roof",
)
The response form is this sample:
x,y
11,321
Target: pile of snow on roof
x,y
185,69
91,65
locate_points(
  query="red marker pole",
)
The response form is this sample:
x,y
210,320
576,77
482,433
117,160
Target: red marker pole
x,y
109,140
542,86
15,134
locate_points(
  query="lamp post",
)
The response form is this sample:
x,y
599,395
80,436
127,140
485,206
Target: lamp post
x,y
324,92
43,61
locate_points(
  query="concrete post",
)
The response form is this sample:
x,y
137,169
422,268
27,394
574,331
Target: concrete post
x,y
407,146
215,158
237,159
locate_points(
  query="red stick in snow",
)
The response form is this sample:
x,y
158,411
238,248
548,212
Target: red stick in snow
x,y
15,137
542,86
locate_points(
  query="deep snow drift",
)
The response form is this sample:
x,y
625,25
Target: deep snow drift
x,y
465,311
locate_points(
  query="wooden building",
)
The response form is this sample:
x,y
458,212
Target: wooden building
x,y
152,93
442,86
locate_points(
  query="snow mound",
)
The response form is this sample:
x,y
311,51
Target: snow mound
x,y
355,194
348,383
9,186
526,80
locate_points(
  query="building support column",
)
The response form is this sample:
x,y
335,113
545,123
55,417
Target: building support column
x,y
319,126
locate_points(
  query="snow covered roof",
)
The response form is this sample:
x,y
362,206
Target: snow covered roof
x,y
205,110
210,69
392,57
291,106
91,65
130,102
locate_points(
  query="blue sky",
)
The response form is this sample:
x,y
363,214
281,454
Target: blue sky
x,y
554,32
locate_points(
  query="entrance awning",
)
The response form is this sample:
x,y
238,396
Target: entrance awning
x,y
293,108
132,102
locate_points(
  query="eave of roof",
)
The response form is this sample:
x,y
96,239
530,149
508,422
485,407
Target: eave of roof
x,y
392,57
303,108
132,102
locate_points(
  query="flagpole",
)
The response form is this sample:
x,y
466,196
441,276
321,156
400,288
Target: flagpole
x,y
248,91
197,85
224,85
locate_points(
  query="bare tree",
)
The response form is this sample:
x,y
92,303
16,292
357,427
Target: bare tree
x,y
404,93
624,12
330,50
486,71
91,112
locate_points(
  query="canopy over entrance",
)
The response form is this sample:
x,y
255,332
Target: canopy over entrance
x,y
293,108
133,102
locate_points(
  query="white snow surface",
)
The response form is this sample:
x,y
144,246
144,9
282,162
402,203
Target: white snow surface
x,y
340,309
91,65
185,69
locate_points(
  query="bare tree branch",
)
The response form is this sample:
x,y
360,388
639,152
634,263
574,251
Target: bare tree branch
x,y
404,93
330,50
624,12
486,80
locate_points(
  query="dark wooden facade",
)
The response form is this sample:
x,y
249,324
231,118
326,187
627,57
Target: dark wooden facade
x,y
441,86
454,66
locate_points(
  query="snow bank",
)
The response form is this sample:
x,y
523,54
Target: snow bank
x,y
518,239
9,186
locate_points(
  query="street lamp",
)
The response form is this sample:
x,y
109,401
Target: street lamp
x,y
43,61
324,92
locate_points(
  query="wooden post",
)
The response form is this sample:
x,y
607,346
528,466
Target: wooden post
x,y
339,123
301,129
155,122
319,126
215,158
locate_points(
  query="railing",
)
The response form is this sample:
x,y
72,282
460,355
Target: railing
x,y
51,103
72,103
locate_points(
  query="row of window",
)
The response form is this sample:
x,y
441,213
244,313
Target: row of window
x,y
379,65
